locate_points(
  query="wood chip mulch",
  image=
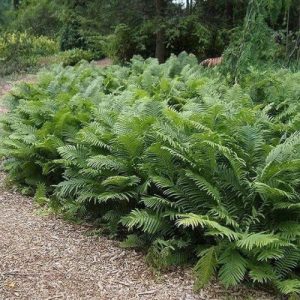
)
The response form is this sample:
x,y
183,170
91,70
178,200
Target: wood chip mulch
x,y
43,257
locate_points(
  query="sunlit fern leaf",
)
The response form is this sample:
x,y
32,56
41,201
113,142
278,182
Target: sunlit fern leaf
x,y
121,181
193,221
268,191
285,151
74,154
289,286
147,222
257,240
71,186
206,266
262,273
157,203
105,162
289,229
115,196
270,253
233,267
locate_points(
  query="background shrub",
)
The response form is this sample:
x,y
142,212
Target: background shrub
x,y
72,57
37,17
123,44
20,50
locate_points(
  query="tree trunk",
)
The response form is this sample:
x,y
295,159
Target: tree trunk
x,y
229,12
15,4
188,7
160,51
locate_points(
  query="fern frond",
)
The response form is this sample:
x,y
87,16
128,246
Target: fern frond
x,y
149,223
262,273
193,221
206,266
259,240
289,286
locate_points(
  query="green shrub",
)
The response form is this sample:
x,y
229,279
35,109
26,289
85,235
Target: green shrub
x,y
193,168
38,17
95,44
74,56
123,44
188,34
19,51
71,36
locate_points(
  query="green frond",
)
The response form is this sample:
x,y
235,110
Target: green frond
x,y
289,261
262,273
269,253
73,154
40,195
115,196
257,240
206,266
204,185
157,203
133,241
105,162
71,186
121,181
141,219
233,267
289,286
193,221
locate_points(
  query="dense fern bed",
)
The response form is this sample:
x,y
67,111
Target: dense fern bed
x,y
170,158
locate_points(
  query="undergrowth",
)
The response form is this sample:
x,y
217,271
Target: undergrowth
x,y
171,157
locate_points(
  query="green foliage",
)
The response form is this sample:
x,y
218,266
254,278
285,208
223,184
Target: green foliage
x,y
71,36
123,44
258,42
74,56
38,17
192,168
190,35
19,51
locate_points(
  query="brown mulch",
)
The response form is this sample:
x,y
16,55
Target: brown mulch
x,y
105,62
43,257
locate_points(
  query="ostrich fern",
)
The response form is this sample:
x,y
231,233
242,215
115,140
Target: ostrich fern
x,y
191,168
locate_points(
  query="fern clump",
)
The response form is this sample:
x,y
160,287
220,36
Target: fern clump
x,y
191,168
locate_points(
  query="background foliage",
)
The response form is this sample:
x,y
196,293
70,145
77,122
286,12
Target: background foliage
x,y
255,30
19,51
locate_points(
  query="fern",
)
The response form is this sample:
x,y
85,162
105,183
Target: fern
x,y
150,223
259,240
233,268
206,266
192,220
172,153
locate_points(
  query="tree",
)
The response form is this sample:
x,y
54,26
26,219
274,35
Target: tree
x,y
160,50
15,4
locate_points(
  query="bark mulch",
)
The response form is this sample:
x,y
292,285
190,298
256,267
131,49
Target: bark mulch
x,y
43,257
